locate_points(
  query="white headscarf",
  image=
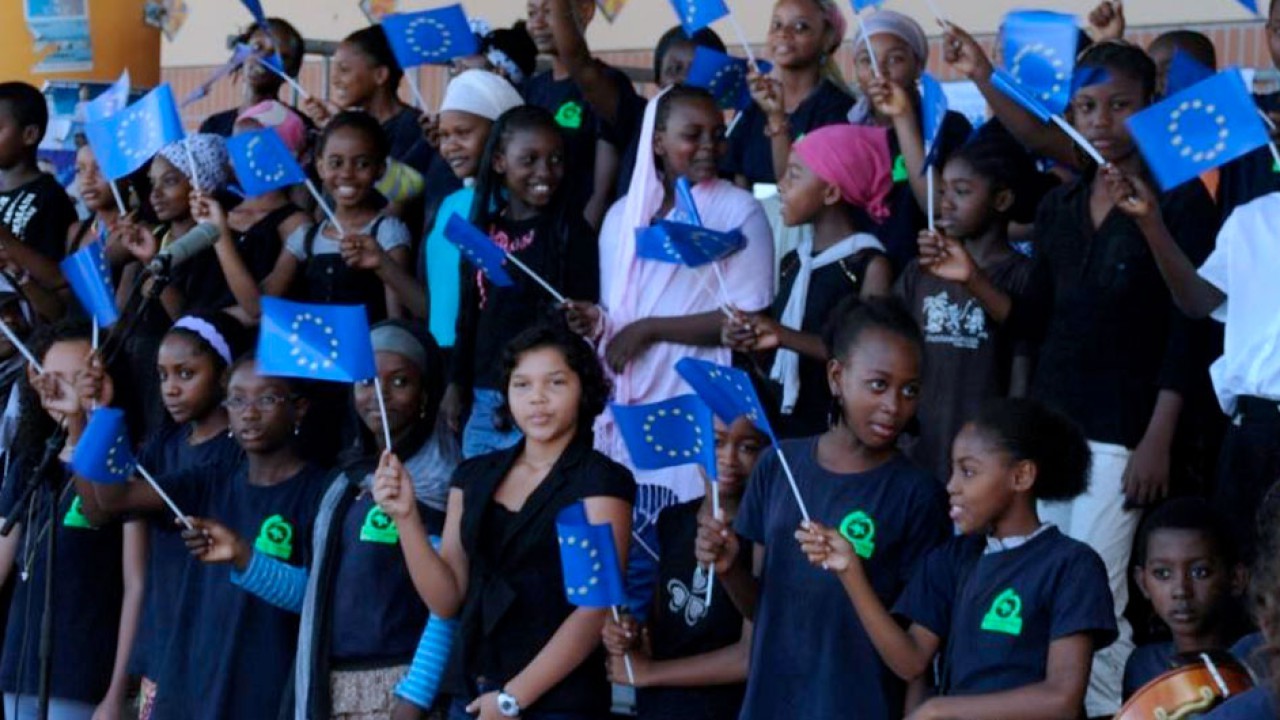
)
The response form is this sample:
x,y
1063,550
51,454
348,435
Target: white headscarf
x,y
210,155
482,93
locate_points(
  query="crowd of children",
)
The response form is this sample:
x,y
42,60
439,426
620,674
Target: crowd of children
x,y
999,485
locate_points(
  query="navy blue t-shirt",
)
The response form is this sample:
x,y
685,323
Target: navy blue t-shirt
x,y
87,591
232,657
751,153
810,656
377,614
1257,704
170,452
1146,664
999,612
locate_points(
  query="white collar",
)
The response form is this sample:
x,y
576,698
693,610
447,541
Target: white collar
x,y
995,544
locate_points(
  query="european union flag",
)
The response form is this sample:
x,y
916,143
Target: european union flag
x,y
255,8
103,454
1007,84
1184,71
860,5
238,57
688,245
315,342
724,76
109,101
726,390
1202,127
1250,5
263,162
89,276
126,140
589,560
697,14
478,249
429,37
686,208
668,433
1040,53
933,106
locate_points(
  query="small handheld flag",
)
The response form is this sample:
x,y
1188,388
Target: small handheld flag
x,y
1250,5
688,245
933,106
1006,84
478,249
315,342
669,433
103,454
589,560
1184,71
1040,53
241,55
1202,127
126,140
724,76
255,8
429,37
697,14
263,162
109,101
686,206
89,276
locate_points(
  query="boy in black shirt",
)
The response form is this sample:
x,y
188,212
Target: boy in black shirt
x,y
34,210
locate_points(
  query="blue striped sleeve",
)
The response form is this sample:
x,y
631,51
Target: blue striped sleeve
x,y
421,684
278,583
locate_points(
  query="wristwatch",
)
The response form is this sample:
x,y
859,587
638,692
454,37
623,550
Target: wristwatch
x,y
508,705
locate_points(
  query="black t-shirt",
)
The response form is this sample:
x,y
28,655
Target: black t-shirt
x,y
39,214
750,152
377,614
167,556
1110,336
489,316
1145,664
999,612
232,657
968,357
827,287
682,625
87,591
582,127
901,230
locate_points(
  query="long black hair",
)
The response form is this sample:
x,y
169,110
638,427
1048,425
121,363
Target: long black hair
x,y
490,196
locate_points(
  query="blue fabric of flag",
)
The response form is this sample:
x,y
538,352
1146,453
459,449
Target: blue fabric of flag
x,y
89,276
125,141
860,5
1007,84
933,108
109,101
589,560
430,37
688,245
478,249
726,390
686,207
697,14
315,342
1184,71
724,76
263,162
1200,128
103,454
1040,53
1250,5
669,433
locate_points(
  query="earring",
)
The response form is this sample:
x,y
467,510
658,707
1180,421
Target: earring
x,y
297,429
230,433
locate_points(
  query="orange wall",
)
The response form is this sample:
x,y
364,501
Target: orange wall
x,y
119,38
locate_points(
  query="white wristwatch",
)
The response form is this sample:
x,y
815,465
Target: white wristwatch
x,y
508,705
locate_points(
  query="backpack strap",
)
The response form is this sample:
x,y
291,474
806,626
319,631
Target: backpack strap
x,y
309,240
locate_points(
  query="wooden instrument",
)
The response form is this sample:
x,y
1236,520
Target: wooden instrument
x,y
1202,684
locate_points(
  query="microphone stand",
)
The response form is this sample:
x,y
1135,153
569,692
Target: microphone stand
x,y
53,488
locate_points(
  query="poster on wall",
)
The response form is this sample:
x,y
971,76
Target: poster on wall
x,y
375,10
60,31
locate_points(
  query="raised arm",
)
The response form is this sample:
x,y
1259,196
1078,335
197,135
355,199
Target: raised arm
x,y
590,76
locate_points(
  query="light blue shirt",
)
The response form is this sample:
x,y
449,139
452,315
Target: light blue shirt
x,y
443,262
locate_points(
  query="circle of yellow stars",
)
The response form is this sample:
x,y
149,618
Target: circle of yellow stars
x,y
320,359
260,171
1050,56
1179,141
657,416
137,148
440,41
596,565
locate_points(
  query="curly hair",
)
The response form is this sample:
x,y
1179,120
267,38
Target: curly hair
x,y
578,355
1029,430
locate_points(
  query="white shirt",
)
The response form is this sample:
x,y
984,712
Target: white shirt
x,y
1245,266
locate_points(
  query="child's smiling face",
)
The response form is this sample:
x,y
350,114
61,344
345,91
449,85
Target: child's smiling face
x,y
349,166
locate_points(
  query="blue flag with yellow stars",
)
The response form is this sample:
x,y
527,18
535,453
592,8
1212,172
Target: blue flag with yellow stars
x,y
1200,128
109,101
479,249
430,37
668,433
689,245
103,455
263,162
89,276
589,560
726,390
1040,53
1184,71
724,76
933,107
315,342
128,139
1009,85
697,14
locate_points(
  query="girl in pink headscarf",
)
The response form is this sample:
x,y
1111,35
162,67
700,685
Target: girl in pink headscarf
x,y
837,179
654,313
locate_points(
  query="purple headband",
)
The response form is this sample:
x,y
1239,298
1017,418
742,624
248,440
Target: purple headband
x,y
208,333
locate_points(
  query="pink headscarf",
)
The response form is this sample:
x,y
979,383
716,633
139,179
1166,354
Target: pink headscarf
x,y
855,159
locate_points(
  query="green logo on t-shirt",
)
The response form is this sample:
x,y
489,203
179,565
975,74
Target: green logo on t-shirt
x,y
379,528
900,172
1005,615
860,530
75,517
569,116
275,538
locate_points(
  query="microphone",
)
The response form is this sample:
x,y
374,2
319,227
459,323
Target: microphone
x,y
199,238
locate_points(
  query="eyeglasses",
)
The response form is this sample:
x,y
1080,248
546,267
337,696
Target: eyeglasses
x,y
263,403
